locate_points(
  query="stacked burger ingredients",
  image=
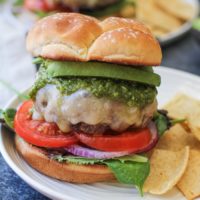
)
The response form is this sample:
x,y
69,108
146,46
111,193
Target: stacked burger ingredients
x,y
93,111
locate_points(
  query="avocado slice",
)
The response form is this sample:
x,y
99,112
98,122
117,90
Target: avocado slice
x,y
106,70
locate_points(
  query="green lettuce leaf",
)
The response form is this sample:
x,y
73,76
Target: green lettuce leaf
x,y
8,116
77,160
164,122
130,172
134,158
133,169
89,161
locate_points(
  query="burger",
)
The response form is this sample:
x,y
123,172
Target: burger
x,y
92,114
91,7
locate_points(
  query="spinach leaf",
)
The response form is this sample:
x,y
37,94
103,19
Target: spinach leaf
x,y
164,122
7,116
132,169
134,158
85,161
77,160
130,172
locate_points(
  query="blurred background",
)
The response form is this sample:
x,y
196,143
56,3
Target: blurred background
x,y
175,23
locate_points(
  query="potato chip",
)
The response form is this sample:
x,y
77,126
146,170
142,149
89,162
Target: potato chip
x,y
159,32
127,11
177,138
189,184
167,167
149,13
183,106
185,10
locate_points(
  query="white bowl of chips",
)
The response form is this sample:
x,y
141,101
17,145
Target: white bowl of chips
x,y
168,20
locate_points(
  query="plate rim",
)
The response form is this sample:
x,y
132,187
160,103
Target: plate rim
x,y
39,186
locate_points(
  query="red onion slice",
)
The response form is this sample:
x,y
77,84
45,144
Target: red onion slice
x,y
154,139
91,153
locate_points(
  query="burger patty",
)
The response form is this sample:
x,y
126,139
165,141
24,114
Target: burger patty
x,y
98,129
85,112
90,129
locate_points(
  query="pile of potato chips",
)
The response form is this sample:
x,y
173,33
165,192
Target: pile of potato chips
x,y
161,16
176,159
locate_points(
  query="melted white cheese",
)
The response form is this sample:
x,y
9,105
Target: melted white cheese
x,y
81,106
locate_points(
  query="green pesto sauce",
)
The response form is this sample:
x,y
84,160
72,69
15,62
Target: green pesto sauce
x,y
130,93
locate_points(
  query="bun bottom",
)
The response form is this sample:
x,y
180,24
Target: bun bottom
x,y
38,159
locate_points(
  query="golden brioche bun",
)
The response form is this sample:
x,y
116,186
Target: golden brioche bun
x,y
38,159
77,37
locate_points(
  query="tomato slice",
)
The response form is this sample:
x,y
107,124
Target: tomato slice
x,y
127,141
39,5
40,133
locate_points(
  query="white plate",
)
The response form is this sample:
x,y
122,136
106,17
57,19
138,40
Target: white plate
x,y
172,82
